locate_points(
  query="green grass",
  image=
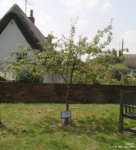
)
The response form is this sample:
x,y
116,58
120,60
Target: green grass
x,y
38,127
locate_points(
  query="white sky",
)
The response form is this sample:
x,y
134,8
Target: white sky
x,y
55,16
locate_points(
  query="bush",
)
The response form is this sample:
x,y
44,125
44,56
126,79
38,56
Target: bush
x,y
132,81
25,75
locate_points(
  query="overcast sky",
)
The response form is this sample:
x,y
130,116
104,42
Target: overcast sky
x,y
55,16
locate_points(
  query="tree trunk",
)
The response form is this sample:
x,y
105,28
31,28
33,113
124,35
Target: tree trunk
x,y
69,88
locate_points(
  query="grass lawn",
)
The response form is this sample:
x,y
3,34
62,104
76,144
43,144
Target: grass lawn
x,y
38,127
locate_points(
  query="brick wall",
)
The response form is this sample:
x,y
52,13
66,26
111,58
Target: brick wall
x,y
80,93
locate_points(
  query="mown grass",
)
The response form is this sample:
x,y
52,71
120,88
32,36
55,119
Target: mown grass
x,y
38,127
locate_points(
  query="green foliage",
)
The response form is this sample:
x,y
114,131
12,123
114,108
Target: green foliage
x,y
24,69
115,74
25,75
105,68
109,57
131,81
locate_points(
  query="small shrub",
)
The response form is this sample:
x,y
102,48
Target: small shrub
x,y
132,81
25,75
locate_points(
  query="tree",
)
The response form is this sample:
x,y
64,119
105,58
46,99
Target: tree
x,y
68,59
64,57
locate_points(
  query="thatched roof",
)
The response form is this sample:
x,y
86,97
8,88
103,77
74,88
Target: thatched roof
x,y
130,61
33,36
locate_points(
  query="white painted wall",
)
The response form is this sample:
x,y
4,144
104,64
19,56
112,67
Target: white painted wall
x,y
53,78
11,39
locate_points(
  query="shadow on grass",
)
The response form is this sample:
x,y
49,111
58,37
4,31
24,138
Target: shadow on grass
x,y
2,125
88,126
92,124
48,125
4,130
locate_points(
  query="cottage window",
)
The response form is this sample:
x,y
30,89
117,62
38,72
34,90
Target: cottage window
x,y
20,56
